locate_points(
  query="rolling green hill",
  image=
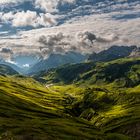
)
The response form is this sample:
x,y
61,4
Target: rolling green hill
x,y
65,74
84,101
122,72
110,109
28,110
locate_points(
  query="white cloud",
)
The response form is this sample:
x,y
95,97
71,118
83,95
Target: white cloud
x,y
108,38
28,18
83,34
46,20
50,5
24,19
4,33
12,62
26,66
105,32
3,2
47,6
7,16
8,1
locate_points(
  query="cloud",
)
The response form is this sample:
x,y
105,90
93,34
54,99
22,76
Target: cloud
x,y
6,53
4,33
51,39
6,50
51,5
10,61
84,34
28,18
51,14
5,2
52,43
46,20
89,39
26,66
85,38
83,42
47,6
108,38
24,19
6,17
8,1
8,4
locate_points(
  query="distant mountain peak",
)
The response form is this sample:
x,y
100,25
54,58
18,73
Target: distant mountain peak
x,y
114,52
55,60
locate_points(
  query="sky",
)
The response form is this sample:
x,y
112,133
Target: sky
x,y
37,28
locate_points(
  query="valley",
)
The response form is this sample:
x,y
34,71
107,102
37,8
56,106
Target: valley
x,y
82,101
69,69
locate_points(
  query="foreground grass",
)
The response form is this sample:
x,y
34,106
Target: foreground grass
x,y
30,111
111,109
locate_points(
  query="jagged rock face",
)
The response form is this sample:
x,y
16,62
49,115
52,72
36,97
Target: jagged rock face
x,y
114,52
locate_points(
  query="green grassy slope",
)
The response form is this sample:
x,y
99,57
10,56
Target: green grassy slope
x,y
123,72
30,111
105,94
111,109
64,74
94,101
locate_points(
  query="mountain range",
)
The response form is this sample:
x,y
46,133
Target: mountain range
x,y
56,60
114,52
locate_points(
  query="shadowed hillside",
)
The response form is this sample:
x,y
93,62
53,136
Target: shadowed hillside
x,y
113,53
122,72
4,69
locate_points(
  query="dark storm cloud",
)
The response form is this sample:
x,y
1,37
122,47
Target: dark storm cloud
x,y
6,50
